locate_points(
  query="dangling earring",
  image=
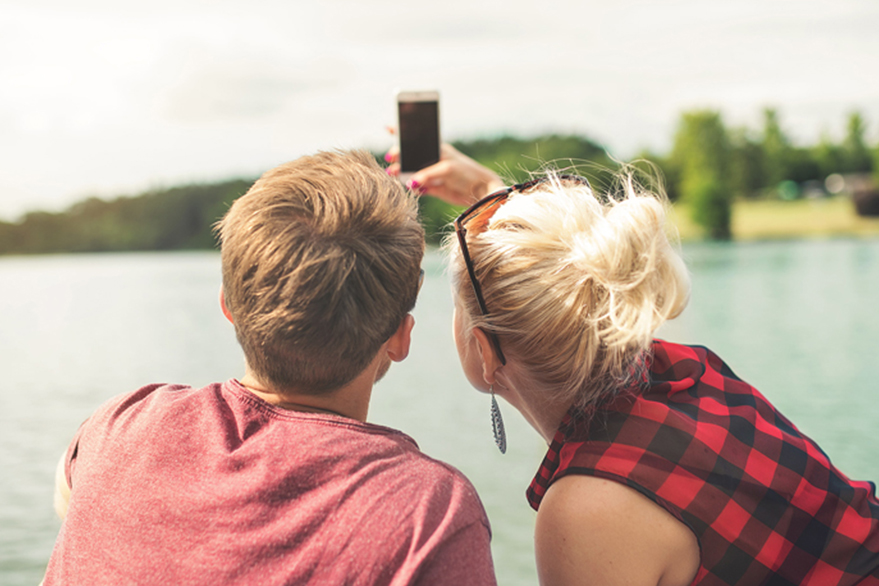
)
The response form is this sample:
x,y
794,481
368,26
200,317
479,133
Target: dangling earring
x,y
497,424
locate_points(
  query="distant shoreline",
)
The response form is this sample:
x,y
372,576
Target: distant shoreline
x,y
755,220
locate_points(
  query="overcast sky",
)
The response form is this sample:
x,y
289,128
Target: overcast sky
x,y
108,98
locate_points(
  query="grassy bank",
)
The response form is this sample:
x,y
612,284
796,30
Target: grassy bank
x,y
771,220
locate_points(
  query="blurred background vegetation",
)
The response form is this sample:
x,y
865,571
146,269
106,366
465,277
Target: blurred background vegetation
x,y
725,183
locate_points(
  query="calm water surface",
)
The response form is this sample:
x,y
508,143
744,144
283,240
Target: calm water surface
x,y
798,319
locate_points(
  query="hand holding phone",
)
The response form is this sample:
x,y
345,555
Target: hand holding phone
x,y
418,129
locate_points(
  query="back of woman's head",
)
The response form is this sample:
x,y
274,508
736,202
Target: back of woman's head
x,y
575,282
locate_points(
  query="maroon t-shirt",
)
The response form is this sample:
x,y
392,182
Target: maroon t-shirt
x,y
175,485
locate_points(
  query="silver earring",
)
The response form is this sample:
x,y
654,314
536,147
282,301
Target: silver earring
x,y
497,424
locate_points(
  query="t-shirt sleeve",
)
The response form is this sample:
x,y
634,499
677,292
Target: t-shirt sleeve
x,y
455,535
97,423
72,453
464,559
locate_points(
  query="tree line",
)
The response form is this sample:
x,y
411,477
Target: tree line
x,y
708,167
178,218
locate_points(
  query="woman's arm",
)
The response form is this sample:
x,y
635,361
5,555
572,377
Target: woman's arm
x,y
596,531
456,179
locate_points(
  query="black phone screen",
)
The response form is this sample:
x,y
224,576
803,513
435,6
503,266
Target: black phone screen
x,y
419,135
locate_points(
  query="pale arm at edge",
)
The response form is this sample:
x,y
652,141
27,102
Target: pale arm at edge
x,y
61,496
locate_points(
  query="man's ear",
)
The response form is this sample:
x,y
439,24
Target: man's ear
x,y
490,361
398,344
223,306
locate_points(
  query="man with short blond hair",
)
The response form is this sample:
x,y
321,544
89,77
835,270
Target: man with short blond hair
x,y
277,478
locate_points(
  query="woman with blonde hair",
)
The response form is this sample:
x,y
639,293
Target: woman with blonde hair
x,y
663,467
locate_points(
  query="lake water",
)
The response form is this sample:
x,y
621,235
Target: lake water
x,y
800,320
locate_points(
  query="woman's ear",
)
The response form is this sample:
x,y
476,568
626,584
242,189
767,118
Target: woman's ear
x,y
490,361
225,309
398,344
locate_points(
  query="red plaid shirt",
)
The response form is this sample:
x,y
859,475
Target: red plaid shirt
x,y
762,498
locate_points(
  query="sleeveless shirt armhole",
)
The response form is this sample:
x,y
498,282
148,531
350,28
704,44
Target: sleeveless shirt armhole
x,y
665,505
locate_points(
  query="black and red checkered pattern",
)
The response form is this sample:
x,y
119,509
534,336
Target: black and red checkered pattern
x,y
764,501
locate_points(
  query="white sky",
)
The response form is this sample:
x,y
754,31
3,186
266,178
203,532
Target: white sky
x,y
102,97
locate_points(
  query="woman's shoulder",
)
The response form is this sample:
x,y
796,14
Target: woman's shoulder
x,y
593,526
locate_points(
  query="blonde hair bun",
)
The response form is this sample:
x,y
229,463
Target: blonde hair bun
x,y
576,282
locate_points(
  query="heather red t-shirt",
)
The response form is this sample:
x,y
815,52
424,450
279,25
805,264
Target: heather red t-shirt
x,y
175,485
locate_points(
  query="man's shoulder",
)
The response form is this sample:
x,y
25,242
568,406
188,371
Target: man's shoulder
x,y
437,471
398,445
424,489
394,461
151,396
156,402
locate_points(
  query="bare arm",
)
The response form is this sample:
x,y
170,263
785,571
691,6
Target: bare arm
x,y
62,490
596,531
456,179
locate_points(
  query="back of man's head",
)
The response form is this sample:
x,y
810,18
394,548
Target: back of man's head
x,y
321,262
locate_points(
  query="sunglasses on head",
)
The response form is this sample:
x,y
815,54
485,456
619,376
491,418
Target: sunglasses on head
x,y
475,219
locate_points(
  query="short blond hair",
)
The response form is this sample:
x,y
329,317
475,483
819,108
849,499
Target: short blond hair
x,y
576,283
321,261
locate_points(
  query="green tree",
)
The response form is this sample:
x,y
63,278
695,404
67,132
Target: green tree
x,y
827,155
748,173
802,165
777,149
876,167
702,153
168,219
515,159
856,156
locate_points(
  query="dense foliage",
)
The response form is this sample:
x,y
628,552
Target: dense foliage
x,y
708,167
181,218
711,165
702,158
171,219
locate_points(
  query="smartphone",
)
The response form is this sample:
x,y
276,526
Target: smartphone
x,y
418,128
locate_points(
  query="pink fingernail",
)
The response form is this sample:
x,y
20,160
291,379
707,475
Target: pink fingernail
x,y
413,184
388,157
